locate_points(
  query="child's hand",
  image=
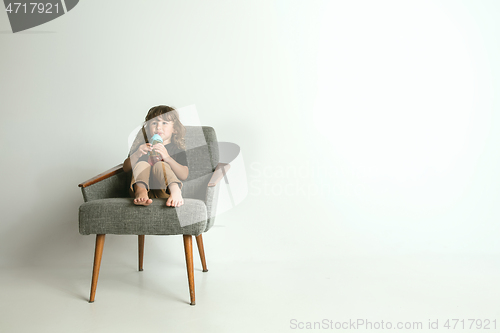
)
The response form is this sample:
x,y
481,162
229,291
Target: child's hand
x,y
160,149
143,150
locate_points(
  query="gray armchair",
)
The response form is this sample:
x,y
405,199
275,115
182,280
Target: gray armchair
x,y
108,208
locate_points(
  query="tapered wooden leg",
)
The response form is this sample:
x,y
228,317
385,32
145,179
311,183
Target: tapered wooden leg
x,y
199,242
188,249
141,251
99,245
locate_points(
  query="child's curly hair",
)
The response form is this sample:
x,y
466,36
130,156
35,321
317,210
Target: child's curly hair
x,y
169,113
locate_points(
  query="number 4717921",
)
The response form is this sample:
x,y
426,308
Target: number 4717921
x,y
39,6
477,323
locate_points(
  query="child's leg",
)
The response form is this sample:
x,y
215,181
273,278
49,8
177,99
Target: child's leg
x,y
165,177
140,183
175,199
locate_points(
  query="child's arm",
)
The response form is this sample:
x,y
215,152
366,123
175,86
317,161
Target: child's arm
x,y
132,159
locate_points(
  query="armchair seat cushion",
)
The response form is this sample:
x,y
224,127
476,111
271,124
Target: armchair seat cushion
x,y
120,216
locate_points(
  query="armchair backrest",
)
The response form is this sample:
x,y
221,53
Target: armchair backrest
x,y
202,152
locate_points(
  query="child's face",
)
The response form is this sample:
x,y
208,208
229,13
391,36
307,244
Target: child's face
x,y
164,128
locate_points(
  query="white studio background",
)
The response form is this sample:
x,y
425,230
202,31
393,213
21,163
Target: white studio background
x,y
407,108
72,92
367,127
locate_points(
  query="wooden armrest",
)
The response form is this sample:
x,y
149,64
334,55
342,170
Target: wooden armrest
x,y
106,174
219,172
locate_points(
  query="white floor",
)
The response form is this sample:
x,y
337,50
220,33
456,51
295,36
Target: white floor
x,y
254,296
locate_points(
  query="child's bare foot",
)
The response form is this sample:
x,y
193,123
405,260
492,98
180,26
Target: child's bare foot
x,y
175,199
141,195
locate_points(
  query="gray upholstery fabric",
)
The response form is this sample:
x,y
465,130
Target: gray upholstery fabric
x,y
112,187
203,156
109,210
120,216
211,202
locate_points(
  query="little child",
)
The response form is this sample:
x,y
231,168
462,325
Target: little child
x,y
163,178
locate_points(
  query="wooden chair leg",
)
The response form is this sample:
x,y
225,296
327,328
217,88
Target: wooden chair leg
x,y
141,251
99,245
188,249
199,242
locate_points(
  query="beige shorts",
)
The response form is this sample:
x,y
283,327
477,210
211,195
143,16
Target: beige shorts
x,y
156,178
